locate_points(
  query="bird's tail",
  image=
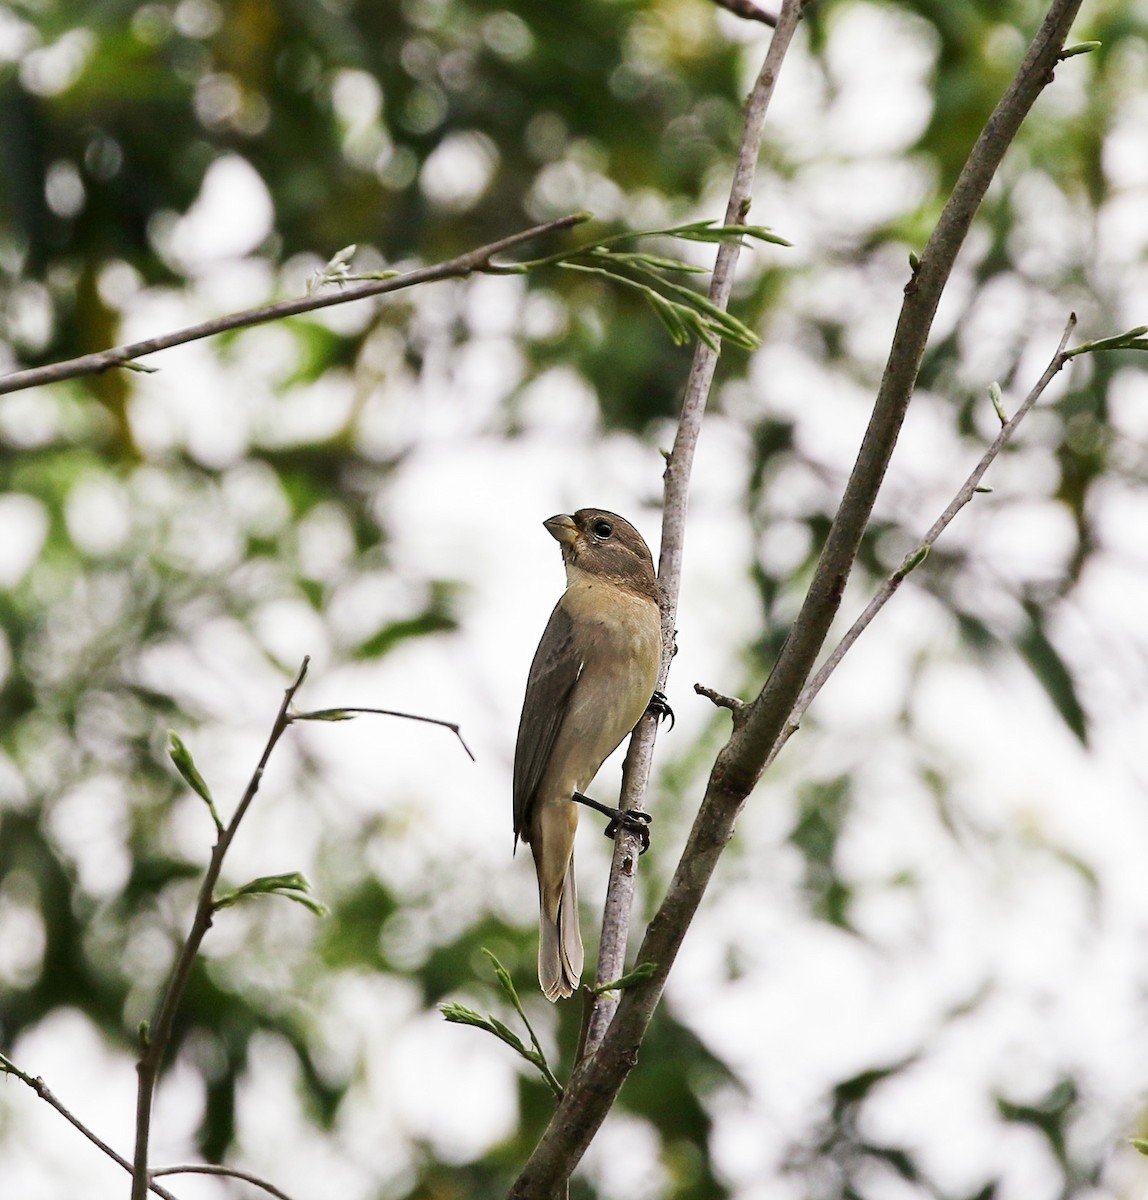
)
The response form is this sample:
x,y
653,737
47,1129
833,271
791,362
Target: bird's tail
x,y
560,943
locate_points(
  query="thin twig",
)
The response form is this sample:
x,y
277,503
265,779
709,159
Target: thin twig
x,y
679,464
8,1067
720,699
338,714
741,763
158,1034
472,262
229,1172
915,556
748,10
595,1083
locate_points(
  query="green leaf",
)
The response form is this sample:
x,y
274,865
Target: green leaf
x,y
461,1015
1133,339
639,974
671,319
431,621
707,231
1079,48
185,765
325,714
655,262
292,886
998,402
1140,1144
725,322
1053,674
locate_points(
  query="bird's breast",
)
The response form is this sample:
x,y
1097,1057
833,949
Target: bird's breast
x,y
619,641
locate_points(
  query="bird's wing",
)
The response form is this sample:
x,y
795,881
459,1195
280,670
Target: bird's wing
x,y
553,674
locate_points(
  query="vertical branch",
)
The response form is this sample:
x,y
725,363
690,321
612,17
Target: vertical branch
x,y
158,1035
679,464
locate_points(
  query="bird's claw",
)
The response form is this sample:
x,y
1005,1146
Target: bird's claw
x,y
636,822
660,707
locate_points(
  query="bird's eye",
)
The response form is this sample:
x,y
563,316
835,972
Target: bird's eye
x,y
603,529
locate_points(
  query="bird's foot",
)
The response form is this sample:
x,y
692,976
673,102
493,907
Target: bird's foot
x,y
636,821
660,707
631,819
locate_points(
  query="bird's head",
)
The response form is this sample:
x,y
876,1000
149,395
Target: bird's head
x,y
602,543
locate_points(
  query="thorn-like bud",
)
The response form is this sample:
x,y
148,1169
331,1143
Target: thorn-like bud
x,y
998,403
1079,48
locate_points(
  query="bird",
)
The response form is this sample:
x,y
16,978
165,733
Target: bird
x,y
592,678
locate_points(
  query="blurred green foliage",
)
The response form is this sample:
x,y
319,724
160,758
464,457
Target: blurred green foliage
x,y
111,115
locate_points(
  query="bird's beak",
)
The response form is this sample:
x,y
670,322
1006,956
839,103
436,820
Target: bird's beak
x,y
562,528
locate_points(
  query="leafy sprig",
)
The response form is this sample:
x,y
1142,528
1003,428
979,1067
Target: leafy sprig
x,y
459,1014
682,311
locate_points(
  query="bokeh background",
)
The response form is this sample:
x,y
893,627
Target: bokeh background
x,y
921,968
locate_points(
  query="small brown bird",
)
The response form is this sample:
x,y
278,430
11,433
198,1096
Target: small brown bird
x,y
593,675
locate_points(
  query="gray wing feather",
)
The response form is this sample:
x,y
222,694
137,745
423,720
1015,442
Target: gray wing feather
x,y
553,674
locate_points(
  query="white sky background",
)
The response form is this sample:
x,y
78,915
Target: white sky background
x,y
809,1004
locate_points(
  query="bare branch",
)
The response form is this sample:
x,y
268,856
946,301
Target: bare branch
x,y
679,464
8,1067
344,714
596,1081
740,765
915,556
158,1034
228,1172
472,262
748,10
720,700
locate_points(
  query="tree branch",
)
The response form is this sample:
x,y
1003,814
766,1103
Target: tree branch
x,y
472,262
159,1033
595,1083
8,1067
639,755
741,762
915,556
748,10
346,714
157,1037
227,1172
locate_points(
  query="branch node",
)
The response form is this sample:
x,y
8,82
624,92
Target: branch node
x,y
721,700
1079,48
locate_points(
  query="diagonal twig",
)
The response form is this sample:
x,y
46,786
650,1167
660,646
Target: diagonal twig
x,y
158,1034
342,714
8,1067
226,1172
915,556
